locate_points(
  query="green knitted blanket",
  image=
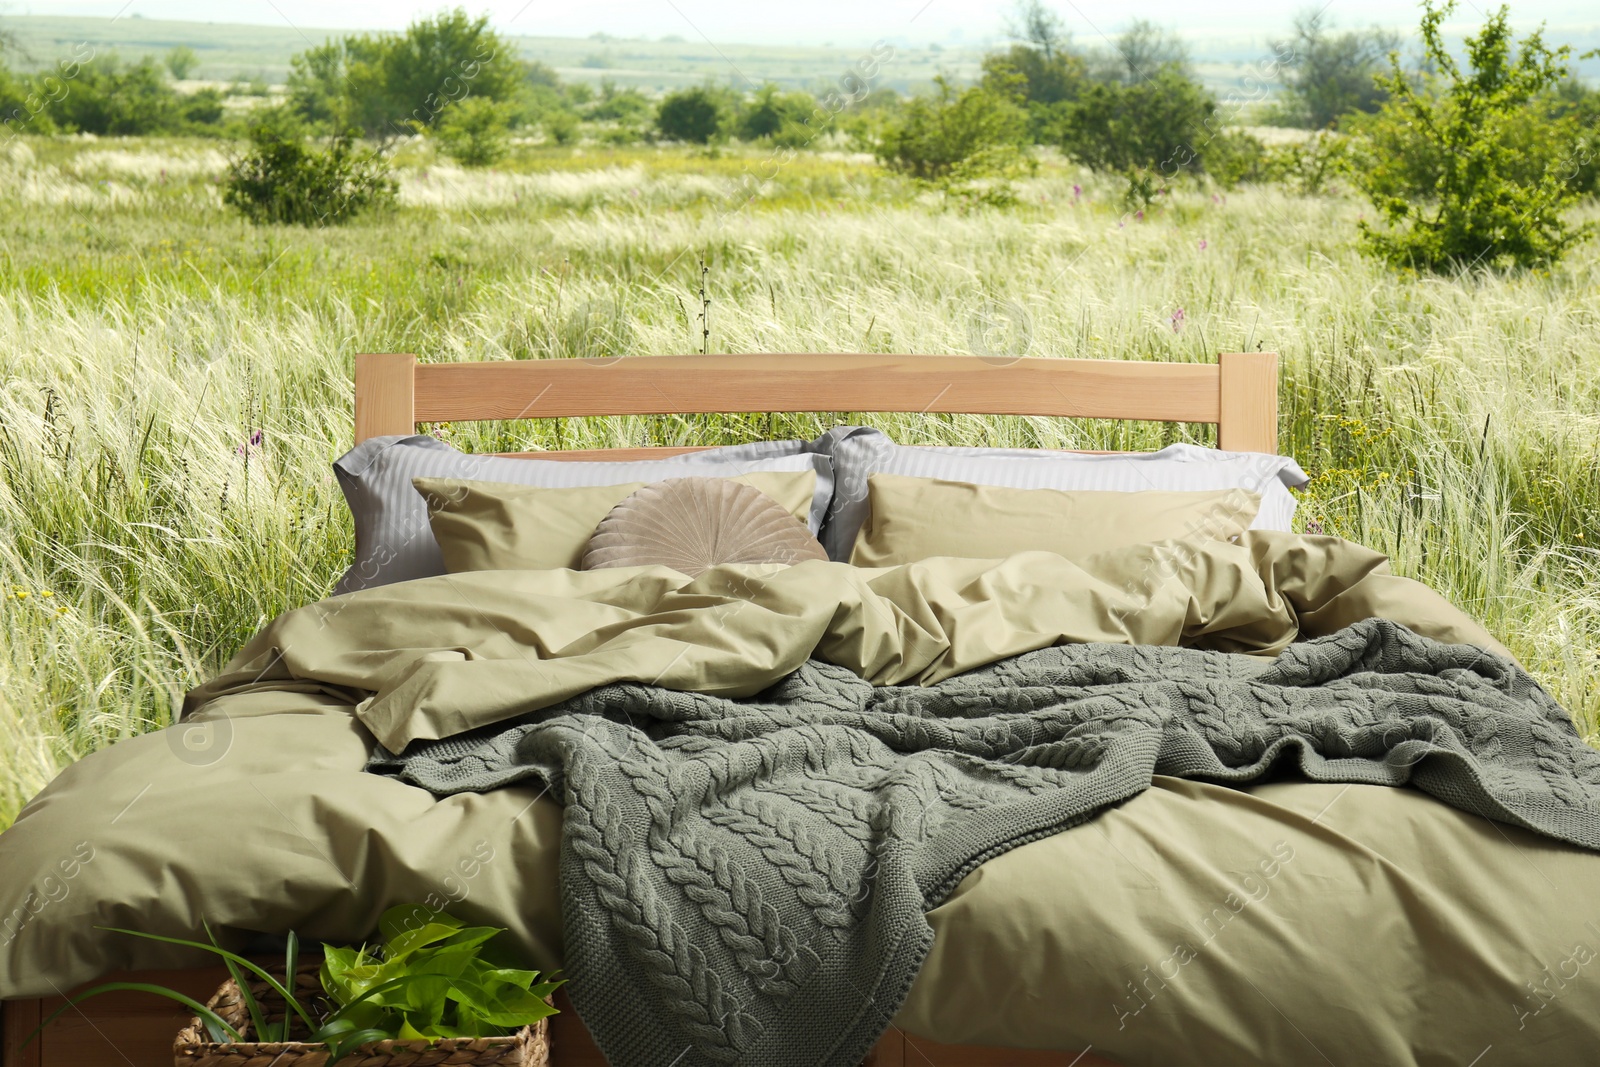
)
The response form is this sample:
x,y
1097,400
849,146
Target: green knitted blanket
x,y
745,881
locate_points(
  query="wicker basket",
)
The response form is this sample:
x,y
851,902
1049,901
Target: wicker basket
x,y
529,1047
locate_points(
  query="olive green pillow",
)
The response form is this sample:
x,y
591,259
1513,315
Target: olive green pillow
x,y
484,526
912,519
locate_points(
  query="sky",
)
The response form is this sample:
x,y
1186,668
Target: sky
x,y
811,22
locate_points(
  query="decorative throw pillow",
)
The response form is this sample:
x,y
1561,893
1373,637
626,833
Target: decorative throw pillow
x,y
692,524
913,519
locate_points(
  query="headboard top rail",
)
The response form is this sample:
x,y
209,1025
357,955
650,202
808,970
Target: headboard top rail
x,y
1238,393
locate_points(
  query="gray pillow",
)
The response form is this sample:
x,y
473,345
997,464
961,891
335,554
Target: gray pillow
x,y
394,542
860,451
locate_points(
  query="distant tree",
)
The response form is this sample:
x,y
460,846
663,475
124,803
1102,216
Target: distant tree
x,y
201,111
619,105
1329,75
1032,76
1465,167
777,116
390,84
694,115
181,62
1141,51
1038,28
109,97
444,59
1150,124
934,136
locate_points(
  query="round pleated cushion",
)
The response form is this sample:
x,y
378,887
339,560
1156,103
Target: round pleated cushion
x,y
692,524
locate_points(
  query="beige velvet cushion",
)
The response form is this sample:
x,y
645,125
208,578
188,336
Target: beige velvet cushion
x,y
494,526
692,524
913,519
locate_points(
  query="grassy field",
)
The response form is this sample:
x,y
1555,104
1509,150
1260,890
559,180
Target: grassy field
x,y
227,51
146,334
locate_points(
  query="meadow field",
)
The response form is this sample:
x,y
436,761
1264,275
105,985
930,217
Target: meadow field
x,y
175,382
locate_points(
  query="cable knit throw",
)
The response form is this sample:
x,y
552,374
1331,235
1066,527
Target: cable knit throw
x,y
744,881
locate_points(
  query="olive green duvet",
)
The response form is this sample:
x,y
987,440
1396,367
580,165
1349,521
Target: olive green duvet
x,y
1287,922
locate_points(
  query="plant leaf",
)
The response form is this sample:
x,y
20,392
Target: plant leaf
x,y
258,1020
273,983
208,1016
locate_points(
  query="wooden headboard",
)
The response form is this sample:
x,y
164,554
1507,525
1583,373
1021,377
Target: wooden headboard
x,y
1238,393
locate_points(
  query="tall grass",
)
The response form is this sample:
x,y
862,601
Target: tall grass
x,y
146,335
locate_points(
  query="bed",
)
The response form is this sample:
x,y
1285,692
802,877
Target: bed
x,y
1281,921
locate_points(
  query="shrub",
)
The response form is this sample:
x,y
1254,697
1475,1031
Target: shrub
x,y
1580,104
1148,124
110,98
283,180
203,108
693,115
1235,157
181,62
1465,168
978,129
561,126
473,131
620,105
778,117
1307,167
391,84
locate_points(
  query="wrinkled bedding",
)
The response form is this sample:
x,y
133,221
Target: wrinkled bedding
x,y
266,822
742,877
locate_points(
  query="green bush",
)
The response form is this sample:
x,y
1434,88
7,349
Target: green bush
x,y
778,117
181,62
561,126
1235,157
1466,168
202,110
696,115
473,132
978,130
392,84
110,98
1148,124
1580,105
1308,167
282,180
620,105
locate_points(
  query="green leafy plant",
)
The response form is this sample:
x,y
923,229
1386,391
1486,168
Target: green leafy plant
x,y
473,132
975,132
1465,166
284,180
695,116
432,977
1308,167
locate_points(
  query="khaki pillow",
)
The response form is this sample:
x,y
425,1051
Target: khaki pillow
x,y
694,524
912,519
484,526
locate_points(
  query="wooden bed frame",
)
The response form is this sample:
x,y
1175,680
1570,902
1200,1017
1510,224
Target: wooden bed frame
x,y
1239,394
